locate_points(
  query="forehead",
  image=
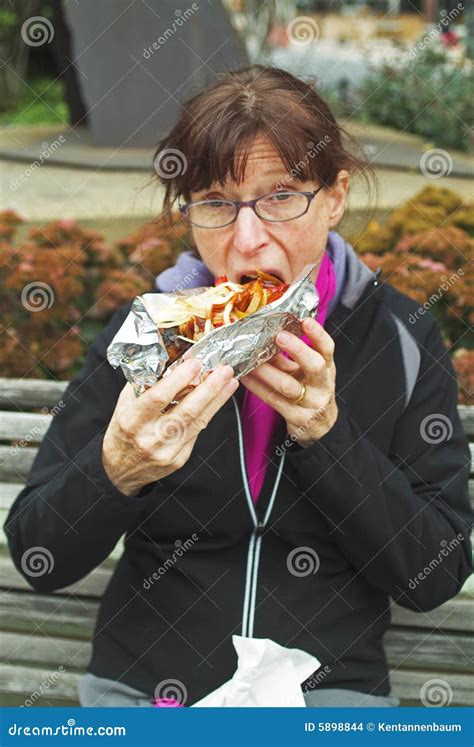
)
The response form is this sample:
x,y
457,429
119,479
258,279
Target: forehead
x,y
262,159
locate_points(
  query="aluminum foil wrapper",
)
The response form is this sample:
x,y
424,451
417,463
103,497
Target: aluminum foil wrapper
x,y
138,346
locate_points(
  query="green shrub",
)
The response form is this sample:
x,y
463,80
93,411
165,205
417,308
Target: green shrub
x,y
429,95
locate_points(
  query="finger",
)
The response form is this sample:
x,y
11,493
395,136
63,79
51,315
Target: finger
x,y
150,403
320,339
313,364
201,422
206,399
278,382
291,411
284,363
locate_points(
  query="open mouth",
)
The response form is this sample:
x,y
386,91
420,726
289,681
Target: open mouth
x,y
247,278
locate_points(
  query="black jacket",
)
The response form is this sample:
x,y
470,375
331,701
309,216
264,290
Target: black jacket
x,y
340,526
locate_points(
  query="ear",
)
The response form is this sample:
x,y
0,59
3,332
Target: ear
x,y
337,195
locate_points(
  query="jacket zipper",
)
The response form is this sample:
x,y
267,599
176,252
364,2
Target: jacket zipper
x,y
253,554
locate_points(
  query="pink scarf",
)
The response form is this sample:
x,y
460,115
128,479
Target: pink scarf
x,y
259,420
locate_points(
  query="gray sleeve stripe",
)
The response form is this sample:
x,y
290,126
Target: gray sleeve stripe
x,y
411,357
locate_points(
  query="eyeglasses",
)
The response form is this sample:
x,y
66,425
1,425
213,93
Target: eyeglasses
x,y
276,208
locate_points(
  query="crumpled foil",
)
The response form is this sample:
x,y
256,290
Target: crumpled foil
x,y
138,346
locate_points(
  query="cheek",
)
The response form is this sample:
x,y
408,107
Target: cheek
x,y
305,245
211,248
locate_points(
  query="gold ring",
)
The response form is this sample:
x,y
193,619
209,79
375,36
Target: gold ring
x,y
301,394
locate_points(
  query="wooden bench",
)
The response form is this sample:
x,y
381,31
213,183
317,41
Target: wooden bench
x,y
45,638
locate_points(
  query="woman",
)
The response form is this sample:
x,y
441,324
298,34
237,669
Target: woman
x,y
302,498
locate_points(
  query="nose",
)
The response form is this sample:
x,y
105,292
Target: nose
x,y
249,232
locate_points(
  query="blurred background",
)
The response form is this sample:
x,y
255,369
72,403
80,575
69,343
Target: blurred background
x,y
87,88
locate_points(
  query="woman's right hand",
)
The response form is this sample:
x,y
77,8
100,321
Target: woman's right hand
x,y
142,444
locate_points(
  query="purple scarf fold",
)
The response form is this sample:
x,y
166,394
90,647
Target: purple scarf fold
x,y
259,420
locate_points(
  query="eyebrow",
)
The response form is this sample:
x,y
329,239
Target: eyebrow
x,y
268,182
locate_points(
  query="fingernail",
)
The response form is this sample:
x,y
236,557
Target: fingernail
x,y
232,385
284,338
226,372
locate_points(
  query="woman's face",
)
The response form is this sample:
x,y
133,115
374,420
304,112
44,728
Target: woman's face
x,y
251,243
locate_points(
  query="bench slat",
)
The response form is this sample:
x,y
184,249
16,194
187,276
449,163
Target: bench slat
x,y
466,413
407,685
31,392
15,464
8,493
31,683
16,648
457,614
92,585
427,650
73,618
48,614
27,426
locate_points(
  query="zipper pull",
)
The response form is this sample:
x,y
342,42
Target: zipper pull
x,y
260,528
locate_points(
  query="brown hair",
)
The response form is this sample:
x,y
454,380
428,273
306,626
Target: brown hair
x,y
212,136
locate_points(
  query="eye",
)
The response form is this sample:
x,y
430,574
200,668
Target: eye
x,y
216,204
280,196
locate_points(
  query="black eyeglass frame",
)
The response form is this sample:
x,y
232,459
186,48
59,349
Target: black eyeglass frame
x,y
238,204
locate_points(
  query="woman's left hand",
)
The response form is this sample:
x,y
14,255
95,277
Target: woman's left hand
x,y
279,383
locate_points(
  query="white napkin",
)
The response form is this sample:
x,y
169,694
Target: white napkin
x,y
267,675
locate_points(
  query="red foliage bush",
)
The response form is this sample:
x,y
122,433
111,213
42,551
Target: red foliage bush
x,y
63,282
